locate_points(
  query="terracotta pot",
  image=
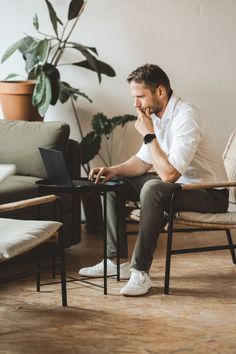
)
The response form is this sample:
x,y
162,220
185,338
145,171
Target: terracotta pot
x,y
16,100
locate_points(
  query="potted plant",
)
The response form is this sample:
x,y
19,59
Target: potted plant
x,y
103,129
44,55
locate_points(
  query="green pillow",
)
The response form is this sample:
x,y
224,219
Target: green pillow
x,y
20,140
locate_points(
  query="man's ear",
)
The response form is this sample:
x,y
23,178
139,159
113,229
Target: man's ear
x,y
161,92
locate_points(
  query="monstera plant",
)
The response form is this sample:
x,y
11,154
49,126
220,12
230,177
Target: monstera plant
x,y
103,129
44,56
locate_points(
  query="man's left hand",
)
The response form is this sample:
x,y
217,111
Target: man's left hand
x,y
144,124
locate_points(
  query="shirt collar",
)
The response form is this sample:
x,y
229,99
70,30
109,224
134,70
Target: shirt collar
x,y
169,111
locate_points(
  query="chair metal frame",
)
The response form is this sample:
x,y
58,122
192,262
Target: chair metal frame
x,y
196,227
60,263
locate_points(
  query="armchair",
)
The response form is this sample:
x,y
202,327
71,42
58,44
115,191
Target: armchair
x,y
195,221
20,236
206,221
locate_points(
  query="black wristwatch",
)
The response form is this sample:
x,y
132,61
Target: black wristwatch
x,y
148,138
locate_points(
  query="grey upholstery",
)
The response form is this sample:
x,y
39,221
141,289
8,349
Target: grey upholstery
x,y
20,140
19,143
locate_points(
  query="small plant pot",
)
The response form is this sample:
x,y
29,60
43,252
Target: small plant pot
x,y
16,100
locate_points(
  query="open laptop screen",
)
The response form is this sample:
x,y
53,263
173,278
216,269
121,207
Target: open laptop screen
x,y
56,167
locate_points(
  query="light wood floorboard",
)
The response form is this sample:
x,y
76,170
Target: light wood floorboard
x,y
198,317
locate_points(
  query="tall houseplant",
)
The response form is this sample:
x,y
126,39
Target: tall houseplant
x,y
44,56
103,130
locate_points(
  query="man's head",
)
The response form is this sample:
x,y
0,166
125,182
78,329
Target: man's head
x,y
151,88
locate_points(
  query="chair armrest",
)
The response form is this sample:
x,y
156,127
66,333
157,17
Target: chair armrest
x,y
28,203
225,184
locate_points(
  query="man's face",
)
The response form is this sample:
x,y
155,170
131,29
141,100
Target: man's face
x,y
144,98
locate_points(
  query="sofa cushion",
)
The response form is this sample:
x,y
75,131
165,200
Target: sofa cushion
x,y
18,188
20,140
19,236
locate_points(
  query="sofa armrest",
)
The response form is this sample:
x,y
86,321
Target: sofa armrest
x,y
28,203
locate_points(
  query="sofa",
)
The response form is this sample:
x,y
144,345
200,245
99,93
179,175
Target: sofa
x,y
19,143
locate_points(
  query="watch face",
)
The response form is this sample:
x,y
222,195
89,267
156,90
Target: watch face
x,y
148,138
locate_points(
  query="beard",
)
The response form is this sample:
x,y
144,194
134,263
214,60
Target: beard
x,y
156,106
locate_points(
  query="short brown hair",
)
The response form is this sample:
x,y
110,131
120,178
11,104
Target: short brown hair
x,y
152,76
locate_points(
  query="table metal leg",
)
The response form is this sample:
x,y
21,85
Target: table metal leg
x,y
118,236
105,241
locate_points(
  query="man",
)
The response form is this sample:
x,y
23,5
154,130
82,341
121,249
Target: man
x,y
180,148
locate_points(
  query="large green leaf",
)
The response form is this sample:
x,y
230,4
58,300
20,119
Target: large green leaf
x,y
75,8
101,67
122,120
46,99
33,45
39,89
104,126
10,50
42,50
36,54
32,75
26,43
10,76
54,77
30,61
28,48
67,91
101,124
93,62
89,147
81,47
53,17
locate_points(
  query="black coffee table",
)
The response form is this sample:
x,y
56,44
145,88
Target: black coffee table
x,y
83,185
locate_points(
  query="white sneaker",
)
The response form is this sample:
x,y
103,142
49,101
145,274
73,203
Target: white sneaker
x,y
98,270
138,284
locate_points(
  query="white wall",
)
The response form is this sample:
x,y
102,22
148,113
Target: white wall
x,y
194,41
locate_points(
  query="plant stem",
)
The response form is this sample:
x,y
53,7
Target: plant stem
x,y
86,170
60,49
77,119
58,54
108,151
111,146
74,24
47,35
103,160
121,140
88,167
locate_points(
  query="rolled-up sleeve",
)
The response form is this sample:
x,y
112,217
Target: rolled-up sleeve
x,y
187,131
144,154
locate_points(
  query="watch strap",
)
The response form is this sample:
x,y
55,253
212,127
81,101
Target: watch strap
x,y
148,138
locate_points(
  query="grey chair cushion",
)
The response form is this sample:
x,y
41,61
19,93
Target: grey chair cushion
x,y
20,236
224,218
220,218
20,140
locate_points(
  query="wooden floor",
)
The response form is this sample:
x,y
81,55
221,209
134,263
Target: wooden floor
x,y
198,317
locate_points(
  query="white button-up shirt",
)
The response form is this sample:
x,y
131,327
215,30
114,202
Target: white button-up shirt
x,y
185,137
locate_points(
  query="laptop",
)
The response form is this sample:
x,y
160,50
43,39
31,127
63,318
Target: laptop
x,y
6,170
57,170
